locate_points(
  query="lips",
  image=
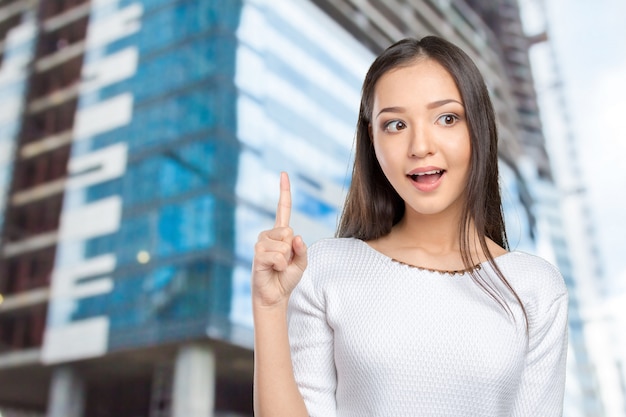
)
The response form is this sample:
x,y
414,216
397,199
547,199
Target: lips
x,y
426,179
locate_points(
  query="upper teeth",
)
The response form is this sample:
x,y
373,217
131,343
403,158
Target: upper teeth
x,y
436,171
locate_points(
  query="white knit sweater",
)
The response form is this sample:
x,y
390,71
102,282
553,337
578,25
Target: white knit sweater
x,y
373,337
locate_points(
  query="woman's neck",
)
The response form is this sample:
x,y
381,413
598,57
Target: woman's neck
x,y
430,241
438,233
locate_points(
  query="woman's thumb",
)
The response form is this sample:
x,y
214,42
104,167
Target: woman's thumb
x,y
299,253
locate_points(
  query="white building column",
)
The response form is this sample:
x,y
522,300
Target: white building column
x,y
67,393
194,382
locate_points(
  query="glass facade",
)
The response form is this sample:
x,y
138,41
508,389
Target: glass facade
x,y
187,113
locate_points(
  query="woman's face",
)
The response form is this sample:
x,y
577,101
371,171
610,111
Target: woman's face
x,y
421,138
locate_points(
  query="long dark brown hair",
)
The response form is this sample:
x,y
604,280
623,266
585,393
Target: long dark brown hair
x,y
372,205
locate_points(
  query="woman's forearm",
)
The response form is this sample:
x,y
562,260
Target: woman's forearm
x,y
276,393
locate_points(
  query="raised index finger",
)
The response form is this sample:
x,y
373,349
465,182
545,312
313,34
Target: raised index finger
x,y
283,212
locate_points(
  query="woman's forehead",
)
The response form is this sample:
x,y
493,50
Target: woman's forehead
x,y
422,81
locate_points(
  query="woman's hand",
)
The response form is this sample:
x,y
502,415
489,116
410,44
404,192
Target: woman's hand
x,y
279,256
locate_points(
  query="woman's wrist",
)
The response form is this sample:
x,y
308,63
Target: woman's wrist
x,y
260,306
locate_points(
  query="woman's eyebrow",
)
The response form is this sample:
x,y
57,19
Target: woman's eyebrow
x,y
391,110
440,103
429,106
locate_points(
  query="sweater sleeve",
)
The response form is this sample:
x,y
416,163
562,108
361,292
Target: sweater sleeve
x,y
311,340
543,378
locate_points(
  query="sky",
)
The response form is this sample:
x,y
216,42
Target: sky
x,y
588,38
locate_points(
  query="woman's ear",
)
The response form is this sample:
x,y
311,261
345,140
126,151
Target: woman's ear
x,y
369,132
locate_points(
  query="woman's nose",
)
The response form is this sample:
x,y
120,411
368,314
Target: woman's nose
x,y
421,144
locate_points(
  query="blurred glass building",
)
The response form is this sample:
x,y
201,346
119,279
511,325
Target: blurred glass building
x,y
601,390
141,143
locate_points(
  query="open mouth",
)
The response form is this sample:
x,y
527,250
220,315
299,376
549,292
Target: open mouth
x,y
428,177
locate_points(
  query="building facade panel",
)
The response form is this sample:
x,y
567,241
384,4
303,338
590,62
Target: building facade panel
x,y
16,55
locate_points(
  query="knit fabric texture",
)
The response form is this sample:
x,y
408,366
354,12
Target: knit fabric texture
x,y
373,337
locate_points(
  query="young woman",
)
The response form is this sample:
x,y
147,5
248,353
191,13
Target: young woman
x,y
417,308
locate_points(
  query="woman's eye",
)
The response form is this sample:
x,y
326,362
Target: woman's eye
x,y
447,120
394,126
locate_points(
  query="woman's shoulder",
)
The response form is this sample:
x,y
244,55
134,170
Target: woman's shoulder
x,y
330,261
532,275
337,255
342,250
335,245
528,263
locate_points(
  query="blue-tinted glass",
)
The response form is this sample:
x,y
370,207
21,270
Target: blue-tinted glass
x,y
178,20
193,112
317,50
